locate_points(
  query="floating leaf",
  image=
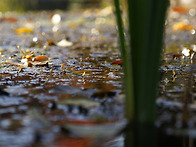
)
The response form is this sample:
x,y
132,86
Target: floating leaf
x,y
182,26
23,30
40,58
118,62
180,9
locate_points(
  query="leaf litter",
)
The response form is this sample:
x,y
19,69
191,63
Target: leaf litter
x,y
56,70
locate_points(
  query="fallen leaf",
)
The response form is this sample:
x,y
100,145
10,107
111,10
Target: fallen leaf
x,y
23,30
118,62
180,9
182,26
40,58
8,19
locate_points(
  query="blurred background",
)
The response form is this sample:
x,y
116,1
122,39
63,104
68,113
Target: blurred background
x,y
24,5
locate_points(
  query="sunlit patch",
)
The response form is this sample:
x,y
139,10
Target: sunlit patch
x,y
64,43
56,19
192,32
35,39
186,52
194,47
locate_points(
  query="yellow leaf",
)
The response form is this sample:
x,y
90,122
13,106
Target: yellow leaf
x,y
23,30
182,26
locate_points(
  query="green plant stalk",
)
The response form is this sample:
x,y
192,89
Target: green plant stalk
x,y
128,80
146,23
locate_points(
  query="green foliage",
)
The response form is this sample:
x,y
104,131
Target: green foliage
x,y
125,52
146,26
11,5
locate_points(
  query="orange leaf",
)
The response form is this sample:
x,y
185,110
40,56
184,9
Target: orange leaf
x,y
182,26
180,9
40,58
118,62
8,19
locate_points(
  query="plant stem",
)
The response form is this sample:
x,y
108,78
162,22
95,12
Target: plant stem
x,y
128,80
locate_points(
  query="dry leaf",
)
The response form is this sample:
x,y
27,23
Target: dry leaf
x,y
180,9
182,26
23,30
40,58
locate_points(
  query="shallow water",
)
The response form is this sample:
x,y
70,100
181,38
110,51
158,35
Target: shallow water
x,y
78,95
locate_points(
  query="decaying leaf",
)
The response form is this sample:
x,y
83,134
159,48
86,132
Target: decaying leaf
x,y
182,26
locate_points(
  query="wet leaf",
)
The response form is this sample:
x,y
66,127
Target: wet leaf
x,y
182,26
117,62
23,30
79,101
40,58
180,9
